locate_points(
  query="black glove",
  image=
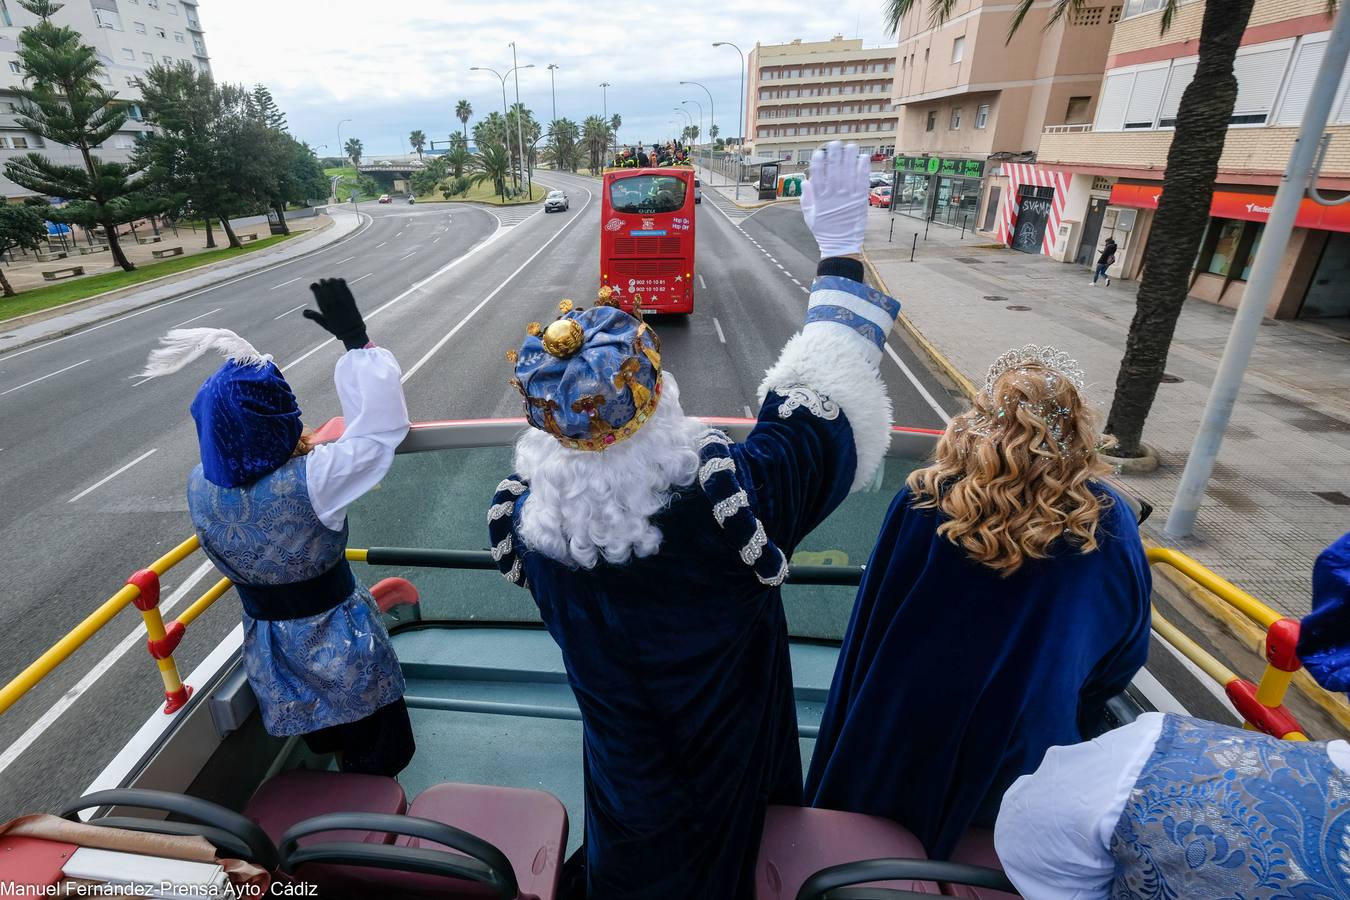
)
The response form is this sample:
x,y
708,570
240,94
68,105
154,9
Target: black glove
x,y
337,312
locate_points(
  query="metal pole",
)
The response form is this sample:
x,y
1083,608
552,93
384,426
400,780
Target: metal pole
x,y
553,90
914,246
700,121
340,150
604,108
1298,177
890,237
712,119
520,134
740,123
506,130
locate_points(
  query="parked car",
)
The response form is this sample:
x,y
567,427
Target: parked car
x,y
880,196
556,200
878,179
698,191
384,198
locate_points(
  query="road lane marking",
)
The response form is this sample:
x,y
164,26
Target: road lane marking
x,y
43,378
202,316
402,258
749,414
795,281
67,700
283,284
434,240
701,283
107,478
341,261
718,325
289,311
380,244
363,277
923,391
399,235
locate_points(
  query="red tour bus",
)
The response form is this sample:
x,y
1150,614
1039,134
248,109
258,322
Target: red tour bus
x,y
647,237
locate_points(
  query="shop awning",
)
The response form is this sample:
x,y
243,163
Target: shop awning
x,y
1233,205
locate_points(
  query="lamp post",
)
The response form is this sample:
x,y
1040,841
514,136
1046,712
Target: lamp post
x,y
343,152
520,132
740,124
712,118
506,132
687,114
604,109
700,121
553,91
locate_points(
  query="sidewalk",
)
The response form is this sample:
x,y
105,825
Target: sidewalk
x,y
1281,489
82,313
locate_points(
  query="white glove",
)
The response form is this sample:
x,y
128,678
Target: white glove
x,y
834,199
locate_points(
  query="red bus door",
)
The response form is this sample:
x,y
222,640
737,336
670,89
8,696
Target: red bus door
x,y
647,238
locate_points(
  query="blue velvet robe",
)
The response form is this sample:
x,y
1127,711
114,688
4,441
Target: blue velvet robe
x,y
953,681
679,663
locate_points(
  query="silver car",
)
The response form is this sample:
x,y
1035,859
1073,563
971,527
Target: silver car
x,y
556,200
698,191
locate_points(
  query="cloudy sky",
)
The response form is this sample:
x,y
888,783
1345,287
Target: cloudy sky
x,y
392,67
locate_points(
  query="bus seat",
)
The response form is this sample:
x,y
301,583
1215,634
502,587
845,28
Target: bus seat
x,y
529,827
299,794
976,847
800,841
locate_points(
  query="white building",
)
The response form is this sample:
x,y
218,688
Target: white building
x,y
130,37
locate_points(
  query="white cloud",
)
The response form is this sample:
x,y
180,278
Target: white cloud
x,y
399,66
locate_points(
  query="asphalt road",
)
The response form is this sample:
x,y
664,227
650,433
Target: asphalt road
x,y
93,461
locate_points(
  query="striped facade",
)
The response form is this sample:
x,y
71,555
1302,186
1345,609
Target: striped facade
x,y
1019,174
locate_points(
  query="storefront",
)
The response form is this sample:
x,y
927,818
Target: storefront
x,y
945,191
1312,277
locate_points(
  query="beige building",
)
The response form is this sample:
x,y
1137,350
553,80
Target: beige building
x,y
970,98
1116,163
802,94
130,37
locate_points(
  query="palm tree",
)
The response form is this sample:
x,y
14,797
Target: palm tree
x,y
457,157
1183,209
463,112
418,140
562,146
596,134
614,122
491,163
353,150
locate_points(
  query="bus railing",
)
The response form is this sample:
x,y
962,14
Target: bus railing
x,y
1260,704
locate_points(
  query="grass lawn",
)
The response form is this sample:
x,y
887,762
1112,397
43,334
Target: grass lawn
x,y
348,181
483,192
80,288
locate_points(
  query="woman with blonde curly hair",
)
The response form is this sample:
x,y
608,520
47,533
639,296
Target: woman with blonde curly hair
x,y
1006,600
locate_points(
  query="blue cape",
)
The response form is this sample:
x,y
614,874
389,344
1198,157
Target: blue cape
x,y
1324,638
953,681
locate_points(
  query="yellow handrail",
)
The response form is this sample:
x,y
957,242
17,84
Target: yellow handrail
x,y
1191,650
1225,590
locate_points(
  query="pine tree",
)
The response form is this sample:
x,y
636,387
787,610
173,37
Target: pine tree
x,y
267,109
64,102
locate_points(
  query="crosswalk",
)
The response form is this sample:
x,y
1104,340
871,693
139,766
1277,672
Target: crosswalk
x,y
731,210
511,216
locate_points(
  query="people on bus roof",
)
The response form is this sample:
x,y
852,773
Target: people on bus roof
x,y
1007,598
1170,806
655,548
270,508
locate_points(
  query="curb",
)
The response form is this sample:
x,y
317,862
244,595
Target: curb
x,y
119,293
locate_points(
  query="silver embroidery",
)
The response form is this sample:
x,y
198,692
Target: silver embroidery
x,y
713,437
498,510
752,551
503,547
780,576
725,509
510,484
799,395
513,576
714,465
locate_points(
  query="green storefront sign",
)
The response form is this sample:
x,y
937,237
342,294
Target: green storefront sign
x,y
934,165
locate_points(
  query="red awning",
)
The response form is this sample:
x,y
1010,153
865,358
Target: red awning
x,y
1232,205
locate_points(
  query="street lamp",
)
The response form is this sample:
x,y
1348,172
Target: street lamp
x,y
340,150
506,132
712,117
520,133
604,107
688,115
741,122
553,90
700,121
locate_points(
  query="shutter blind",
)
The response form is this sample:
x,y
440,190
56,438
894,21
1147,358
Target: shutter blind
x,y
1259,75
1144,99
1115,99
1301,77
1182,73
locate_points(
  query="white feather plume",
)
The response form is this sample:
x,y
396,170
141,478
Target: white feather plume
x,y
184,345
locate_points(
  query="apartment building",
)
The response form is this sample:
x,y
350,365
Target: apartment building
x,y
974,104
1115,164
130,37
802,94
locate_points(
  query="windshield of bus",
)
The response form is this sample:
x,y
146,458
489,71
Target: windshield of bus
x,y
646,194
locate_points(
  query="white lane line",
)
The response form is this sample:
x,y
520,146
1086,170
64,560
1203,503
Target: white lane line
x,y
484,302
795,281
399,235
283,284
107,478
805,290
288,312
67,700
701,283
364,277
918,385
780,267
341,261
202,316
718,325
214,287
380,244
748,413
434,240
402,258
43,378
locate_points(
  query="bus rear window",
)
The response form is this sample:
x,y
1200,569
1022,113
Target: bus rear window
x,y
647,194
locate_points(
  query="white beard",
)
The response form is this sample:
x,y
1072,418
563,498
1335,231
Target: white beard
x,y
584,504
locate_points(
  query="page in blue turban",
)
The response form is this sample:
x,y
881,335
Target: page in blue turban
x,y
248,423
953,681
1324,638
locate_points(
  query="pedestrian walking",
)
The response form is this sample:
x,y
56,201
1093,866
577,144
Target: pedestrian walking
x,y
1105,261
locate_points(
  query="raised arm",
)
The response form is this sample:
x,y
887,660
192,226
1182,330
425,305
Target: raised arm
x,y
824,425
375,415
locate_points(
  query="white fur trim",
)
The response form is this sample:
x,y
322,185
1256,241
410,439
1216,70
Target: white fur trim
x,y
828,360
183,345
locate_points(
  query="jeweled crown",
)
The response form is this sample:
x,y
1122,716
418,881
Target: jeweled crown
x,y
1052,358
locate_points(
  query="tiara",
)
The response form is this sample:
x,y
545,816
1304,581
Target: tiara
x,y
1051,358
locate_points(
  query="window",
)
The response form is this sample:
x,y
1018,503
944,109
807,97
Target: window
x,y
1182,73
982,115
104,78
1301,77
1259,73
1140,7
140,27
958,49
956,118
172,8
203,67
1115,98
161,33
168,60
149,58
925,54
804,156
9,109
153,4
1229,247
1077,111
932,120
16,68
4,15
1145,97
108,18
178,36
131,81
19,143
128,54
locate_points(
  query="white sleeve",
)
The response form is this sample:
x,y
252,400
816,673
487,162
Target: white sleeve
x,y
375,423
1054,828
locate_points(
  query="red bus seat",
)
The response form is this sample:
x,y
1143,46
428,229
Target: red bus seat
x,y
529,827
291,797
977,848
800,841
